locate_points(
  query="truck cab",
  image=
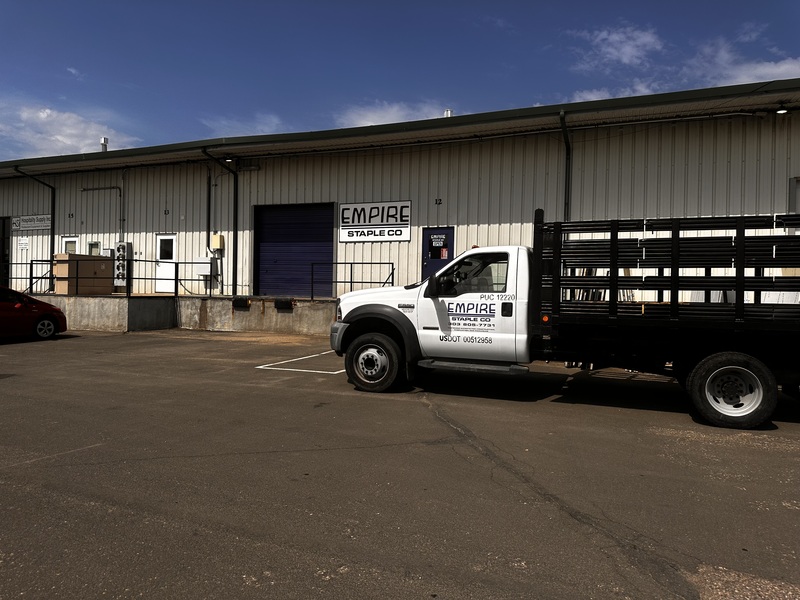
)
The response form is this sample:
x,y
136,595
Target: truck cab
x,y
474,310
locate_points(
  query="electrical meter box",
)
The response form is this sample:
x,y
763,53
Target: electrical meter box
x,y
123,254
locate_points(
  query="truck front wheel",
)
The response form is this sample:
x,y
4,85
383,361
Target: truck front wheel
x,y
372,362
730,389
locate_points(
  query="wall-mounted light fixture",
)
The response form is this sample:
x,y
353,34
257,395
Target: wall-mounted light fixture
x,y
782,110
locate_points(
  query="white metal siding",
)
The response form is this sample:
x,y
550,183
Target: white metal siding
x,y
25,197
713,167
488,191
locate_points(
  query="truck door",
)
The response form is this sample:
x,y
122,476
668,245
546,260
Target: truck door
x,y
474,314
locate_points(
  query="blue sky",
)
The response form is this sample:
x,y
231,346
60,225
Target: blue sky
x,y
152,72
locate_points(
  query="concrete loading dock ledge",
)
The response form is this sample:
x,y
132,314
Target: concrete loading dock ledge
x,y
119,313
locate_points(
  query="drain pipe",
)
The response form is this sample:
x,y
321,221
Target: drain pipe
x,y
52,222
235,242
208,207
567,166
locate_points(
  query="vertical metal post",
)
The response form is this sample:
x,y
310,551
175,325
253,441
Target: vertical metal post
x,y
740,263
613,281
675,269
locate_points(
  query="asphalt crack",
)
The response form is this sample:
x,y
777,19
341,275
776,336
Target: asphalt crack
x,y
638,549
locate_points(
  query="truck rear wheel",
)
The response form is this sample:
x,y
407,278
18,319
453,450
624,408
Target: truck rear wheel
x,y
731,389
372,362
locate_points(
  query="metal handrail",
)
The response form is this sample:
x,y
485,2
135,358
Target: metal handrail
x,y
12,276
388,280
38,271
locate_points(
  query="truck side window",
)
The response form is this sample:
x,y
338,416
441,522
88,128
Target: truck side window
x,y
478,273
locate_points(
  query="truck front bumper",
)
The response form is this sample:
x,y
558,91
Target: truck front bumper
x,y
337,335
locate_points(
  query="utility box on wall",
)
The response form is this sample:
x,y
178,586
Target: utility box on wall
x,y
204,266
123,253
83,274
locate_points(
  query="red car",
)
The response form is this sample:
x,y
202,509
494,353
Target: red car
x,y
22,315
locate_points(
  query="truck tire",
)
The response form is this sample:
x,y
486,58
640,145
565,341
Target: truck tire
x,y
730,389
372,362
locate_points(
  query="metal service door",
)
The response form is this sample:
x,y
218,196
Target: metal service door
x,y
437,249
166,246
5,250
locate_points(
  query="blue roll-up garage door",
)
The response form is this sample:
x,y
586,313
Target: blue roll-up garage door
x,y
289,239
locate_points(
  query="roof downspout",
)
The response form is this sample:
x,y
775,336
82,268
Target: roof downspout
x,y
235,242
52,222
208,208
567,166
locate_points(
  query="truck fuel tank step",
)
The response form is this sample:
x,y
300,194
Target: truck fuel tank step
x,y
450,365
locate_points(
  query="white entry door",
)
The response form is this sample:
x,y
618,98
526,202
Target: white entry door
x,y
166,266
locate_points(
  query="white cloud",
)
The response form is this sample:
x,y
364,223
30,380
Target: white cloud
x,y
611,47
261,124
719,63
381,112
594,94
76,74
617,53
750,32
636,88
499,23
29,131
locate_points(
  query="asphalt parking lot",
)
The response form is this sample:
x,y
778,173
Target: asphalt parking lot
x,y
185,464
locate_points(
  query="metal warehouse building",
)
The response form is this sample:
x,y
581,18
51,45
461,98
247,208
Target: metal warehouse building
x,y
308,216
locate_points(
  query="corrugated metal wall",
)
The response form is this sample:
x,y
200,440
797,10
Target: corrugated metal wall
x,y
712,167
26,197
486,189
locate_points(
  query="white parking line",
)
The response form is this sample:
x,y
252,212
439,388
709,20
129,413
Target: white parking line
x,y
274,367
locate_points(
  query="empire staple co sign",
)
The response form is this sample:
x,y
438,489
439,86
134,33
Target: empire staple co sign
x,y
375,222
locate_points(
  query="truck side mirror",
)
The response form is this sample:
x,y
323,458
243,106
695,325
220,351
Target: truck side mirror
x,y
434,289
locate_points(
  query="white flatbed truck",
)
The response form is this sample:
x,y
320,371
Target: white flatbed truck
x,y
711,301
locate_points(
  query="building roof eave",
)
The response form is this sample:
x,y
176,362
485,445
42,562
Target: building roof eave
x,y
755,99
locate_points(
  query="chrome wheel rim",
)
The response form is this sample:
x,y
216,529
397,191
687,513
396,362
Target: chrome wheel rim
x,y
372,363
734,391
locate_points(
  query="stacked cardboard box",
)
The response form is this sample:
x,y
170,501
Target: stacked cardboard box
x,y
83,275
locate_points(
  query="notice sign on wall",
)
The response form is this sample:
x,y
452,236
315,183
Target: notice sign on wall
x,y
375,222
30,222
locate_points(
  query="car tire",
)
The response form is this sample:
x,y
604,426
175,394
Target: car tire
x,y
45,328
